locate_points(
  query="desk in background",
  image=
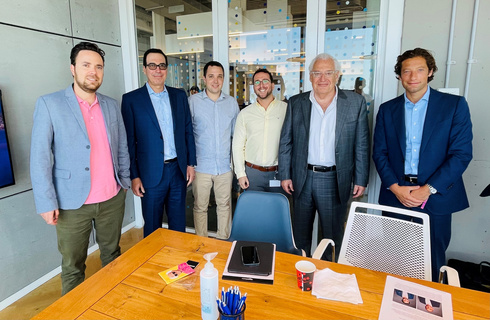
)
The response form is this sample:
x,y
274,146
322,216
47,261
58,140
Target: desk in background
x,y
130,287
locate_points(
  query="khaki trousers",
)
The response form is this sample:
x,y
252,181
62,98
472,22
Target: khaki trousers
x,y
73,230
201,187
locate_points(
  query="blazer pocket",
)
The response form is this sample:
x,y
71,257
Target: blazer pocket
x,y
63,174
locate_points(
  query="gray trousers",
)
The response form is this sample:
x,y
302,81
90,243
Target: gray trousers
x,y
320,193
259,181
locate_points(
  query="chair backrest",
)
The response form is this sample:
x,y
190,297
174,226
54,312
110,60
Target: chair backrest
x,y
264,216
381,243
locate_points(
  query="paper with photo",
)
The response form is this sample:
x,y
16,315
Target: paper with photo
x,y
405,300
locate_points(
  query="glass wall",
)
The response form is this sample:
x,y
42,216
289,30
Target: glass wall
x,y
351,37
183,30
266,34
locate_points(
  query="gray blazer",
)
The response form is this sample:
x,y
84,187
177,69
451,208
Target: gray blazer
x,y
351,142
60,150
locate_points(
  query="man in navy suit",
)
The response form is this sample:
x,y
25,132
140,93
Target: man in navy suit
x,y
422,146
161,145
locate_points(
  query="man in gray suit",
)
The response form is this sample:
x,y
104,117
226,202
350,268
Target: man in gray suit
x,y
80,165
324,148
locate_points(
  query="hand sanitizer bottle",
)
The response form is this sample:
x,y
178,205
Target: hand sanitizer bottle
x,y
209,289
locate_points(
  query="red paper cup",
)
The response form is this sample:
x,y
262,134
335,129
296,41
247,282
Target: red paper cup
x,y
305,270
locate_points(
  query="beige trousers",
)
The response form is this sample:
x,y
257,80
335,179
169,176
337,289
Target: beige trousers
x,y
201,187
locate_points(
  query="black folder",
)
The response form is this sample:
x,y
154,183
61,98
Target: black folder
x,y
265,251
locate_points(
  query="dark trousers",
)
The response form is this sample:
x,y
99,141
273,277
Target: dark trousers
x,y
320,193
440,235
73,230
169,194
259,181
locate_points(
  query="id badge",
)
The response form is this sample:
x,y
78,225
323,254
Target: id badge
x,y
274,183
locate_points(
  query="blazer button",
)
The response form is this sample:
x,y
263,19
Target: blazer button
x,y
87,169
88,146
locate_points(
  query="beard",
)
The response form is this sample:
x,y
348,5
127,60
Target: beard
x,y
88,86
264,95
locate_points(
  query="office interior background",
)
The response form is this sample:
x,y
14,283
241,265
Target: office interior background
x,y
282,35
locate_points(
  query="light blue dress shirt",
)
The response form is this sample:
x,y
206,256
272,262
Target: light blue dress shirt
x,y
414,128
163,111
213,123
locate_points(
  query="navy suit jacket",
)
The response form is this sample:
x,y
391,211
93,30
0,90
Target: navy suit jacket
x,y
351,142
145,139
445,151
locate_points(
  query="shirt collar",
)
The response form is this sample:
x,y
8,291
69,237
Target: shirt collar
x,y
204,95
83,102
425,97
334,100
151,92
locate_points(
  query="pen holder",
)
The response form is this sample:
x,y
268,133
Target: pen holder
x,y
238,316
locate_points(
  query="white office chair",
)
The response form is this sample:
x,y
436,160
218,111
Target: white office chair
x,y
385,244
452,276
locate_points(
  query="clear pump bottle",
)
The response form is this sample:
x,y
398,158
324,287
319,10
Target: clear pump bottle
x,y
209,289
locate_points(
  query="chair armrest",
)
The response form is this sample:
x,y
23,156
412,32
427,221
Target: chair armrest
x,y
321,249
452,276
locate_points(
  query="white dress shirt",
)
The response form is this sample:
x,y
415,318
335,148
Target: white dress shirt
x,y
321,144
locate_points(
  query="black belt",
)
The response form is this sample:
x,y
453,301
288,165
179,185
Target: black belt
x,y
411,179
170,160
321,168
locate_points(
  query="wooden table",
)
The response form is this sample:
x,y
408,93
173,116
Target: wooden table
x,y
130,287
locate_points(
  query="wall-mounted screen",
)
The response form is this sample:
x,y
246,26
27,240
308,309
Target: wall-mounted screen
x,y
6,170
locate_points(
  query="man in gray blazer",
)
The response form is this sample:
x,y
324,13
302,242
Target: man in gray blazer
x,y
324,148
80,165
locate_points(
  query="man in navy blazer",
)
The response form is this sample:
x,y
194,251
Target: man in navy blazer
x,y
80,165
161,145
422,146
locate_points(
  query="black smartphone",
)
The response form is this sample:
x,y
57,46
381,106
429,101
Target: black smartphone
x,y
192,264
250,256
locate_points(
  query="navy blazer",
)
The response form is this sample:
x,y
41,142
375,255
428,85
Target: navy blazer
x,y
445,151
145,139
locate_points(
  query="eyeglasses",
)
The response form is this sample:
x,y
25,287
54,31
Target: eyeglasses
x,y
153,66
264,82
327,74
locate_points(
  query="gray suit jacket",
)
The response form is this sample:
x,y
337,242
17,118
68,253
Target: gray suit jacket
x,y
351,142
60,150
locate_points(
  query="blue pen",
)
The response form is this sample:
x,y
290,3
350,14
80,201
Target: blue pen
x,y
241,303
226,310
218,301
223,293
232,300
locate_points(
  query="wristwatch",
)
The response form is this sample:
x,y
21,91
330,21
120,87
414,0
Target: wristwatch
x,y
432,189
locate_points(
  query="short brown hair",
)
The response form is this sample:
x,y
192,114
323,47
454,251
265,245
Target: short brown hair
x,y
417,52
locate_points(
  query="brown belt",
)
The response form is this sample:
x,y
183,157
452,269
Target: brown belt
x,y
260,168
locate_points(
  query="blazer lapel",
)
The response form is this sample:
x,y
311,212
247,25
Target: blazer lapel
x,y
173,106
306,111
147,106
106,115
74,106
398,120
432,117
342,110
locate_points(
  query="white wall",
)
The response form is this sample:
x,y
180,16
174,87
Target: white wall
x,y
426,24
36,39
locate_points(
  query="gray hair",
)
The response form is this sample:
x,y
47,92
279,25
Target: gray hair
x,y
324,56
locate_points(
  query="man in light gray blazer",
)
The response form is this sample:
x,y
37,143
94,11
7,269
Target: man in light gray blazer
x,y
80,165
324,149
